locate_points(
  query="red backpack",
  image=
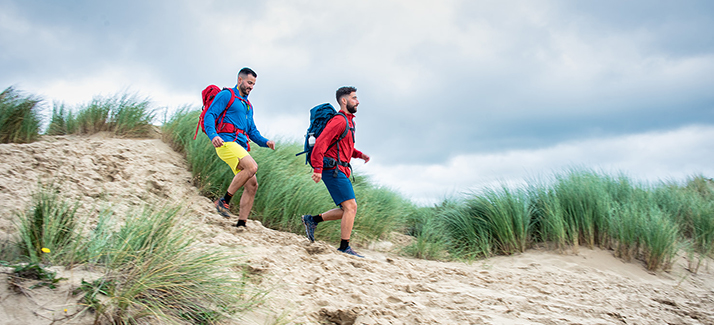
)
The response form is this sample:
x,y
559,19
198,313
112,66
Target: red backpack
x,y
209,94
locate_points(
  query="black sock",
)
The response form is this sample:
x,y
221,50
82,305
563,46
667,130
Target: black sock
x,y
241,223
344,244
228,198
317,218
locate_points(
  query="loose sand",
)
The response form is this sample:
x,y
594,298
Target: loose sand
x,y
315,284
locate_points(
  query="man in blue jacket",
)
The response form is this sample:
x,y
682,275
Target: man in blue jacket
x,y
230,134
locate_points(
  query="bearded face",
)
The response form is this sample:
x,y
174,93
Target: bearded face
x,y
351,102
352,108
244,89
245,84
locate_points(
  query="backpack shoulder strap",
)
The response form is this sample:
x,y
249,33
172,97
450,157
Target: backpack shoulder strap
x,y
344,133
347,127
233,98
247,102
230,103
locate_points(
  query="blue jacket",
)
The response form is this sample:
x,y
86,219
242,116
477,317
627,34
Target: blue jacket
x,y
238,114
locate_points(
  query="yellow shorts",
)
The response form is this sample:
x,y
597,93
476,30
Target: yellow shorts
x,y
231,153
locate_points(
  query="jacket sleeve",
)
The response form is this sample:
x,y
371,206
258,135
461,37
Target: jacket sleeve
x,y
329,134
356,153
253,132
217,106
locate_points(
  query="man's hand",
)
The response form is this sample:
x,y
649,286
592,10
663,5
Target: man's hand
x,y
365,157
271,144
316,177
217,141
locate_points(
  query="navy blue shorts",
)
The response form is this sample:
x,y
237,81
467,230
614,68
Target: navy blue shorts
x,y
340,187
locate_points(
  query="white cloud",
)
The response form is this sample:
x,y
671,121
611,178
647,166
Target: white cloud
x,y
108,82
647,157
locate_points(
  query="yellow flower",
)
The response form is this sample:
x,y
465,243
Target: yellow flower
x,y
65,310
45,250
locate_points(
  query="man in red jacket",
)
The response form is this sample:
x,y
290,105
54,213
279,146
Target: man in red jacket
x,y
331,164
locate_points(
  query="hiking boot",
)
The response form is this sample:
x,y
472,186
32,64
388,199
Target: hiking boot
x,y
310,226
222,208
350,251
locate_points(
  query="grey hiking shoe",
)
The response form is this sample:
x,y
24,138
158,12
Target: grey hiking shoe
x,y
222,208
310,226
350,251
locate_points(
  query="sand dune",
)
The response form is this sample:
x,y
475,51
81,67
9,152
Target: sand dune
x,y
315,284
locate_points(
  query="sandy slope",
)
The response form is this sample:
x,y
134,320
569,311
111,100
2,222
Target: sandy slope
x,y
314,284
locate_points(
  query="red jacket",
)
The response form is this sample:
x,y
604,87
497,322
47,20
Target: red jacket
x,y
330,134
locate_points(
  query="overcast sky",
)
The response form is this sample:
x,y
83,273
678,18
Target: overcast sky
x,y
455,95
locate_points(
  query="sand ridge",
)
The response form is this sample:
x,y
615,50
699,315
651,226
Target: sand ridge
x,y
312,283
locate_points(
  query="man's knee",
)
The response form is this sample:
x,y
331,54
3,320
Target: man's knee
x,y
349,205
249,166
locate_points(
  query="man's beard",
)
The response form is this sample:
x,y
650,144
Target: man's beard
x,y
244,90
352,109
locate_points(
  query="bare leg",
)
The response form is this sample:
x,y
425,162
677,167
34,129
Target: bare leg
x,y
347,213
246,200
248,169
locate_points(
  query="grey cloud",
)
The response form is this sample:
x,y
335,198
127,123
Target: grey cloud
x,y
434,82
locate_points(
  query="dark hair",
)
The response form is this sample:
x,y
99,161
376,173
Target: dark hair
x,y
344,91
247,71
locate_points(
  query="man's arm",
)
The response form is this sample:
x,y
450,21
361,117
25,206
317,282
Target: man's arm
x,y
361,155
364,157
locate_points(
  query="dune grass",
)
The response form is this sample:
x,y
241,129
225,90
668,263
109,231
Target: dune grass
x,y
121,114
430,239
584,200
467,234
153,269
505,216
691,208
579,207
49,224
62,121
548,223
19,117
156,270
